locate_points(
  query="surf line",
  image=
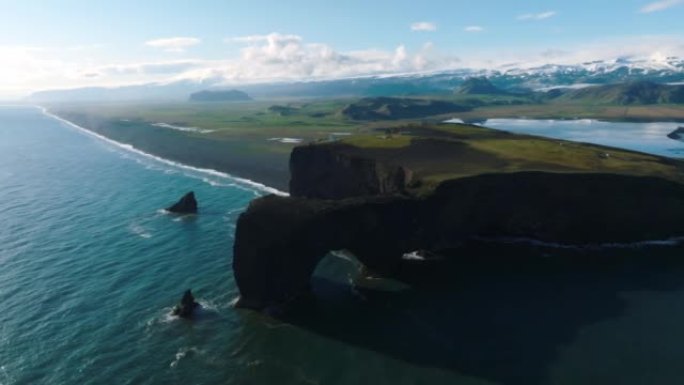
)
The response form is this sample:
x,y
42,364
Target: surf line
x,y
128,147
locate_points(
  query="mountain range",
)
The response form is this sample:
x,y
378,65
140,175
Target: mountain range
x,y
511,78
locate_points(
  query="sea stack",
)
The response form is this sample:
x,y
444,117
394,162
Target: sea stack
x,y
186,205
187,305
677,134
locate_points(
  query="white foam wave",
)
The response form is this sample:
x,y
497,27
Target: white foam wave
x,y
184,352
246,182
286,140
140,231
413,256
208,305
182,128
164,317
215,183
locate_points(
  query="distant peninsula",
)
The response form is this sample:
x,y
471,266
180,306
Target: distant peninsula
x,y
219,96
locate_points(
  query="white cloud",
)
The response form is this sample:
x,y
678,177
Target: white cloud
x,y
264,38
281,57
151,68
173,44
647,49
537,16
423,26
275,57
660,5
473,28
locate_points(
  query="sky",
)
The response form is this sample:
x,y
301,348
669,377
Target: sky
x,y
52,44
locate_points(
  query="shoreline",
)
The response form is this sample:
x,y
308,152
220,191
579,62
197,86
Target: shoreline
x,y
256,185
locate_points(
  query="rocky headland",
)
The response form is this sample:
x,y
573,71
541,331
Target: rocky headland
x,y
435,188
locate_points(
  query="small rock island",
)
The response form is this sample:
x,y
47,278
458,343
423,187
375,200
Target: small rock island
x,y
186,205
187,306
677,134
433,187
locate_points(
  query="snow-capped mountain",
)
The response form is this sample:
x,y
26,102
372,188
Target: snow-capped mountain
x,y
514,76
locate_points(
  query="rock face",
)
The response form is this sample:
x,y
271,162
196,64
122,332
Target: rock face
x,y
677,134
187,306
186,205
279,241
318,171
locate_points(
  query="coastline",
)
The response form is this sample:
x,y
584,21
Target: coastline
x,y
250,183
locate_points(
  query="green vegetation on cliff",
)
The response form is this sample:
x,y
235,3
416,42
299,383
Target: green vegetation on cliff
x,y
435,153
253,139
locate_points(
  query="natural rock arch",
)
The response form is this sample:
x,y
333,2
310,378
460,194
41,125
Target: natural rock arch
x,y
279,241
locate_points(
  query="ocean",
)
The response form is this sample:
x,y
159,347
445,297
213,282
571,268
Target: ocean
x,y
91,266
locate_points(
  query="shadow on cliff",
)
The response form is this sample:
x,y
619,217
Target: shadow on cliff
x,y
496,319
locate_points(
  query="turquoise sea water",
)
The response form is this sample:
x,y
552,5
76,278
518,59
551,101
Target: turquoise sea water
x,y
90,268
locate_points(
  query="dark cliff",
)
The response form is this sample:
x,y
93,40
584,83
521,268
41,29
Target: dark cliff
x,y
279,241
328,171
436,189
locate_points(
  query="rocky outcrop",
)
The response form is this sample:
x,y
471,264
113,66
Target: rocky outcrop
x,y
329,172
279,241
187,306
677,134
186,205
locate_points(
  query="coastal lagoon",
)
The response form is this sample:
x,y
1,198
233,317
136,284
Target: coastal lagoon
x,y
90,267
644,137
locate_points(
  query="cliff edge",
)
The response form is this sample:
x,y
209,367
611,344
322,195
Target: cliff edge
x,y
435,189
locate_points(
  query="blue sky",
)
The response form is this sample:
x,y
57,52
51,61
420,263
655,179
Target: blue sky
x,y
70,43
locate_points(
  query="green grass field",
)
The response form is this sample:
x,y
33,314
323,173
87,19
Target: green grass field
x,y
436,153
243,137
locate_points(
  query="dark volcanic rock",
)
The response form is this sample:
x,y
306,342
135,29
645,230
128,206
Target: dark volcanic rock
x,y
187,305
323,172
186,205
279,241
677,134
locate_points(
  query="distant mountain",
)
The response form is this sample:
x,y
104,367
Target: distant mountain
x,y
509,78
640,92
385,108
479,86
176,91
219,96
